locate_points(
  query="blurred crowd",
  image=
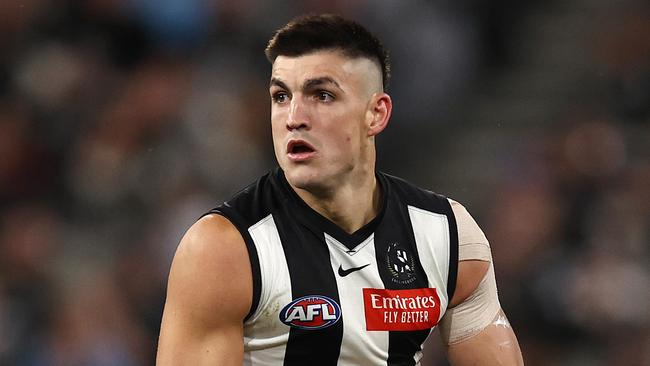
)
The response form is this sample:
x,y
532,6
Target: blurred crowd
x,y
121,122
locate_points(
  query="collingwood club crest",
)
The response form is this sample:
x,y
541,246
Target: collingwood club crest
x,y
400,264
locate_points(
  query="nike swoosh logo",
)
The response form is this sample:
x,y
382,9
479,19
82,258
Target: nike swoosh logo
x,y
345,272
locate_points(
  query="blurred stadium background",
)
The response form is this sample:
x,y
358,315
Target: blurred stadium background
x,y
122,121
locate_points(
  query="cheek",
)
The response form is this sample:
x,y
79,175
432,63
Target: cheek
x,y
277,126
275,117
345,142
278,132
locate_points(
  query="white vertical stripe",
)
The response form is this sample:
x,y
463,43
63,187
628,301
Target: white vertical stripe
x,y
359,347
431,232
265,335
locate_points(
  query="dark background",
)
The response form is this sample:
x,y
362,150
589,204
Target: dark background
x,y
121,122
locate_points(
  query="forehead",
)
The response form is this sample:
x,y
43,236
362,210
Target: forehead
x,y
344,70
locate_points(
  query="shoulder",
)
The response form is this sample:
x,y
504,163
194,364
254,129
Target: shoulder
x,y
253,202
209,234
211,269
473,253
471,239
413,195
473,249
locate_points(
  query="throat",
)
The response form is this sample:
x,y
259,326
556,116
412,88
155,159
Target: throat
x,y
350,210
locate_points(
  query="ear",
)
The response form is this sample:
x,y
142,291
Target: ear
x,y
379,110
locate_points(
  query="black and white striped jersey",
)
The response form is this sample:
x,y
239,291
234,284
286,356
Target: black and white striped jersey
x,y
322,296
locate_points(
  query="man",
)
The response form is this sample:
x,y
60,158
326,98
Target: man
x,y
325,261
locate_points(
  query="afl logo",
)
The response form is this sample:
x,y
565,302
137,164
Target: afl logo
x,y
311,312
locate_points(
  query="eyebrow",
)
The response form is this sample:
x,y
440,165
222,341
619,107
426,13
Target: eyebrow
x,y
309,83
278,82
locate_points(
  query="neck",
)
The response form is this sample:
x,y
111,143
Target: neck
x,y
350,206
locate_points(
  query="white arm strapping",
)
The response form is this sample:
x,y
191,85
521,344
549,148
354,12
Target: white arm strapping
x,y
479,310
474,314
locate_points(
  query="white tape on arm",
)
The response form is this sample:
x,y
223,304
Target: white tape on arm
x,y
472,243
474,314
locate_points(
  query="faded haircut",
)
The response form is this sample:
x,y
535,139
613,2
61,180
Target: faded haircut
x,y
310,33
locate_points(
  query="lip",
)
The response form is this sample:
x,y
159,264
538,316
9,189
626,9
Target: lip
x,y
301,156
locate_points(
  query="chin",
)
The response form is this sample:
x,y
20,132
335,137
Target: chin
x,y
315,177
303,177
315,181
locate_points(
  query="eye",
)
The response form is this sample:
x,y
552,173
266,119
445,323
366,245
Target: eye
x,y
280,97
325,96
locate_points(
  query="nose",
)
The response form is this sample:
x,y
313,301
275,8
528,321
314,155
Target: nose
x,y
298,117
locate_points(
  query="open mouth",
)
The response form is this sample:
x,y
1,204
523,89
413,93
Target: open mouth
x,y
299,150
299,147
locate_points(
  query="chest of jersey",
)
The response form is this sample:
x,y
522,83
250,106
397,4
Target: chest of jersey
x,y
331,299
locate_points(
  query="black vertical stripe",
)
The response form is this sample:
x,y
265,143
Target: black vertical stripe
x,y
453,248
397,229
311,273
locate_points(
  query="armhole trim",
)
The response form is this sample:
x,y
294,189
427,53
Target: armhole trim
x,y
452,276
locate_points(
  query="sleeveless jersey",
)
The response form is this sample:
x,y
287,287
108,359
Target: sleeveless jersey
x,y
322,296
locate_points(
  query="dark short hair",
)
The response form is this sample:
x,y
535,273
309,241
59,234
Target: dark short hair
x,y
310,33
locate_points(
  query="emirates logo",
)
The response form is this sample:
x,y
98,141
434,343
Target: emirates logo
x,y
401,310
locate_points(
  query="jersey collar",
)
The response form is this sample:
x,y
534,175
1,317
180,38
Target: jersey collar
x,y
320,224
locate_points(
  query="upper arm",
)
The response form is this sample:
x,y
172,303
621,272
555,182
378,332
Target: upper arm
x,y
495,345
475,329
473,254
208,295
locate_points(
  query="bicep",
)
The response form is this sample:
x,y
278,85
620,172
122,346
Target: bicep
x,y
185,344
208,296
477,331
